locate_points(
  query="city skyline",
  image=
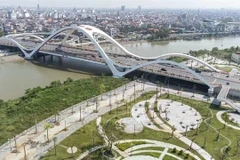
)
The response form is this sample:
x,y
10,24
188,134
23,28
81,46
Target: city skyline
x,y
150,4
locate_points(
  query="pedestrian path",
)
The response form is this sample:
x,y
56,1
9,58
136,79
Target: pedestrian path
x,y
153,143
164,153
219,117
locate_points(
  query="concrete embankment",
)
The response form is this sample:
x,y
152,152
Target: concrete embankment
x,y
12,58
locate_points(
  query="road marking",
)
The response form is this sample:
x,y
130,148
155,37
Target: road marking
x,y
215,79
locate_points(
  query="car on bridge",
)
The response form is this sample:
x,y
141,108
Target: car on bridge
x,y
163,69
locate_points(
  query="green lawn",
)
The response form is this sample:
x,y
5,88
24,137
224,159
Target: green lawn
x,y
167,157
152,154
124,146
97,155
226,69
227,119
19,114
84,138
152,148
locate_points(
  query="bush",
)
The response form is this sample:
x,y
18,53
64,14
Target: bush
x,y
180,152
174,150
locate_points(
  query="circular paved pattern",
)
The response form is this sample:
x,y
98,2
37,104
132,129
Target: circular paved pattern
x,y
140,158
182,117
130,125
74,149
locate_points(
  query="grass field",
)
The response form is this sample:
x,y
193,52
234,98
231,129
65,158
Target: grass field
x,y
19,114
84,138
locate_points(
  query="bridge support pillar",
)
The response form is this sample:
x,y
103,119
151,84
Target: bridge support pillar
x,y
28,58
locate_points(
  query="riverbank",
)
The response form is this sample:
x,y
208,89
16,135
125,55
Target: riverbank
x,y
39,103
12,58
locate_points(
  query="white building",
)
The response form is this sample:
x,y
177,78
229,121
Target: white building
x,y
236,57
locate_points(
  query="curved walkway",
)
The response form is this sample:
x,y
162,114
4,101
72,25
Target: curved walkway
x,y
219,117
163,153
152,143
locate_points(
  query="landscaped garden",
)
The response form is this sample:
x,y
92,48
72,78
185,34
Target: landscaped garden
x,y
217,139
212,135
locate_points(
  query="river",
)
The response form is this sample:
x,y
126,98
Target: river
x,y
180,46
16,77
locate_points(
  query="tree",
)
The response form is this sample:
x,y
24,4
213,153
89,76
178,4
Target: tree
x,y
173,129
1,102
190,147
225,152
204,142
237,48
69,80
215,49
1,33
55,148
55,83
232,49
237,146
102,89
47,126
114,130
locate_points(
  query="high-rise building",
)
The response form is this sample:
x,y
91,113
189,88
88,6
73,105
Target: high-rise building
x,y
9,15
4,29
38,10
123,8
139,8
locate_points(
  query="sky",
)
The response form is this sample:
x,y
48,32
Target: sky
x,y
204,4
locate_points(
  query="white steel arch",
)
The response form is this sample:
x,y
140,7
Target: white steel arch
x,y
90,32
167,62
27,35
22,48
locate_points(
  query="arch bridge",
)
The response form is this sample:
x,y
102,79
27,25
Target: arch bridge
x,y
91,42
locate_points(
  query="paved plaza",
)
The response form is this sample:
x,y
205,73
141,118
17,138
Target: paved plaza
x,y
181,116
130,125
139,114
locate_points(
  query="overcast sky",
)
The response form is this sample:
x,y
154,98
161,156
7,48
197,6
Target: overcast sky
x,y
128,3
